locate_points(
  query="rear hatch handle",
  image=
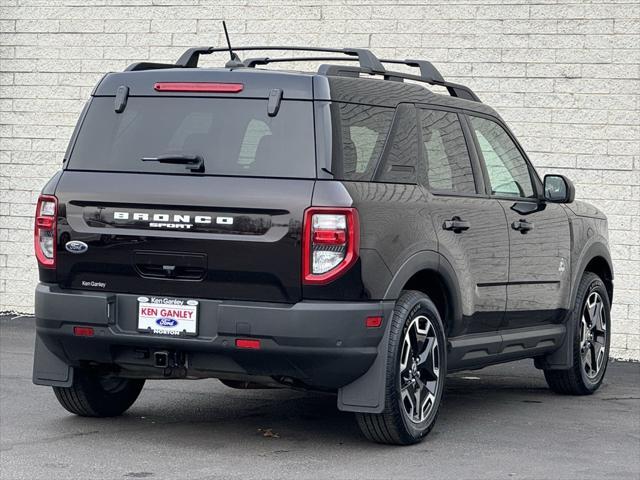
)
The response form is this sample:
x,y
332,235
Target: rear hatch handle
x,y
194,163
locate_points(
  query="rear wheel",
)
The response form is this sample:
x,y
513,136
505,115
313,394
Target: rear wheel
x,y
416,370
591,337
98,396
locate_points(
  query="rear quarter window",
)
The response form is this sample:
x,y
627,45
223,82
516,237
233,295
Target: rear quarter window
x,y
233,136
362,132
375,143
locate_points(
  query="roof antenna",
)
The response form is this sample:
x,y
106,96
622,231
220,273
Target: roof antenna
x,y
235,61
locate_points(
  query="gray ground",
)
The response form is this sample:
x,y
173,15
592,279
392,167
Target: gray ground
x,y
500,422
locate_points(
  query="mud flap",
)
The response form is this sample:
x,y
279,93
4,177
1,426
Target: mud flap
x,y
48,369
367,393
562,358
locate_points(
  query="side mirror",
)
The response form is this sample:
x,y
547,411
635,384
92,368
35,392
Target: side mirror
x,y
558,189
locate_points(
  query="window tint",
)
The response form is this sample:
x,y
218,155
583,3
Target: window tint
x,y
507,169
233,136
400,157
445,153
363,129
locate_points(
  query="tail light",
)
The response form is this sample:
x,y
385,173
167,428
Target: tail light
x,y
44,234
331,243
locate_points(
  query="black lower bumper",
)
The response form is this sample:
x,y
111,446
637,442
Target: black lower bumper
x,y
322,345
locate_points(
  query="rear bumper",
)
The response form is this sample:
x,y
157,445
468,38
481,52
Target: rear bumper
x,y
316,344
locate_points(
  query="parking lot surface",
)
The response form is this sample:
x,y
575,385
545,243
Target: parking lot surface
x,y
500,422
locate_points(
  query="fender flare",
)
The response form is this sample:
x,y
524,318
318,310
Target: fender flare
x,y
598,248
436,262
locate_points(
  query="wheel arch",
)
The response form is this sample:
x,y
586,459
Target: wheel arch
x,y
432,274
596,259
601,267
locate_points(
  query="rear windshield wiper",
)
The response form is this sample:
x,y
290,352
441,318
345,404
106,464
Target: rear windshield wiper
x,y
194,163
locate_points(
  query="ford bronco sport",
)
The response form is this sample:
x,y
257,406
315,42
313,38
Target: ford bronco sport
x,y
345,230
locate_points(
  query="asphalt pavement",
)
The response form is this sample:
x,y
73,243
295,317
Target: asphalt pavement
x,y
498,423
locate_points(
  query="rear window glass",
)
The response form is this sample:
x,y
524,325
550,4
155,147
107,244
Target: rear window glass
x,y
233,136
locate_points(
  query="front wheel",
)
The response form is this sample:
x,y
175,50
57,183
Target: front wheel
x,y
589,341
98,396
415,376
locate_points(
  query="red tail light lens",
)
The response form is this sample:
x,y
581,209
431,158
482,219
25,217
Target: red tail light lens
x,y
331,243
248,343
83,331
45,232
373,322
207,87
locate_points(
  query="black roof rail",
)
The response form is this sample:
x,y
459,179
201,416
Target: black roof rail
x,y
367,60
189,59
430,74
254,62
427,71
148,66
454,89
369,64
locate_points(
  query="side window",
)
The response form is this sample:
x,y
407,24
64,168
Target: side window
x,y
508,171
445,153
400,156
363,129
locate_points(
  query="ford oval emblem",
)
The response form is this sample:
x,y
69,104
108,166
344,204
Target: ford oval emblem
x,y
76,246
167,322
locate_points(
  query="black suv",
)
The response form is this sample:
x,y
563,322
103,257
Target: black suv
x,y
345,230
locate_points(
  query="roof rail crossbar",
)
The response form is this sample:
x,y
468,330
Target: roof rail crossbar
x,y
366,58
369,63
253,62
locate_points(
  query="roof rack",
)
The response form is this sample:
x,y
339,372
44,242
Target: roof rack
x,y
368,63
428,72
189,59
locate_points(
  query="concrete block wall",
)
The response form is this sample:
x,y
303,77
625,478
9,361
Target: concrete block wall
x,y
564,74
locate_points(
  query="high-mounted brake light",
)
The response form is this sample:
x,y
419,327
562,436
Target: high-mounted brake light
x,y
206,87
45,231
331,243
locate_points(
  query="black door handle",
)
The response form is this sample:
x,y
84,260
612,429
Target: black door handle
x,y
523,226
456,224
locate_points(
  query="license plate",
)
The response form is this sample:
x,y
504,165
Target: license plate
x,y
168,316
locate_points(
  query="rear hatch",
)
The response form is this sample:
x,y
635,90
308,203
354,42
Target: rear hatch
x,y
191,194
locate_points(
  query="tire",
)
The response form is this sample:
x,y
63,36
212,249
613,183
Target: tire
x,y
589,365
97,396
397,425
